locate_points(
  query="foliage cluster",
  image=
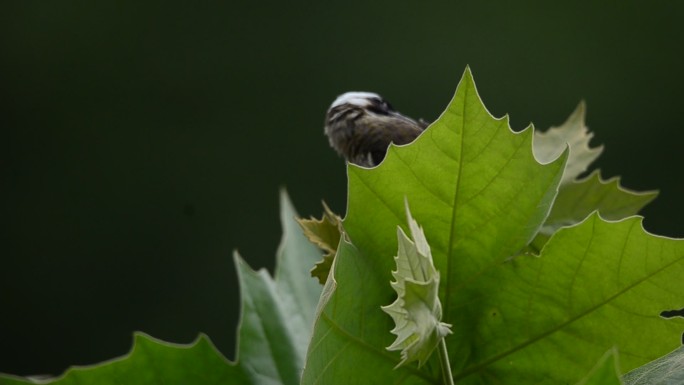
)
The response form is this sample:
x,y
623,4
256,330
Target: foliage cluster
x,y
517,267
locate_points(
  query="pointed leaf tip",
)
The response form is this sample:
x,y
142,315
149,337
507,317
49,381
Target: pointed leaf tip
x,y
573,133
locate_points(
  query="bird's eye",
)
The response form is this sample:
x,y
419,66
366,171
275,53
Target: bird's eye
x,y
377,106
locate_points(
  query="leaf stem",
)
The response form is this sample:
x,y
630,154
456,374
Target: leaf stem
x,y
446,366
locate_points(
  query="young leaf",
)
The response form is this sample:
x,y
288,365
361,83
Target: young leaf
x,y
573,133
666,370
324,233
416,312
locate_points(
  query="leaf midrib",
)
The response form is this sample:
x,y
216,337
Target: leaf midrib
x,y
452,225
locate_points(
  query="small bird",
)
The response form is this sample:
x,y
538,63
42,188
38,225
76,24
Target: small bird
x,y
361,125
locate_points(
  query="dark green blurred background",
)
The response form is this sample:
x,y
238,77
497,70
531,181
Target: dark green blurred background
x,y
143,141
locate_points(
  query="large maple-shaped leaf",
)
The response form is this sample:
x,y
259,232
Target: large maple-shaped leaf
x,y
275,327
480,195
595,285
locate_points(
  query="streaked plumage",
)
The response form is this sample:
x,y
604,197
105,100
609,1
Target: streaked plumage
x,y
361,125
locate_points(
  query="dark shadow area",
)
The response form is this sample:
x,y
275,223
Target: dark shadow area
x,y
672,313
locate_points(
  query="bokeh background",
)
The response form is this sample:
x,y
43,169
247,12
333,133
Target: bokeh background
x,y
144,141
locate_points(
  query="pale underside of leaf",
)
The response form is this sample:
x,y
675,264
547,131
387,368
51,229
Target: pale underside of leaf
x,y
574,134
666,370
417,311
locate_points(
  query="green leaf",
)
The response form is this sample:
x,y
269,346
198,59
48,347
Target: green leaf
x,y
577,199
417,312
666,370
277,314
324,233
275,329
481,196
573,133
152,361
474,186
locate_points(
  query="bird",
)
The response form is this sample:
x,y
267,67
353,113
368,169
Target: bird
x,y
361,125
